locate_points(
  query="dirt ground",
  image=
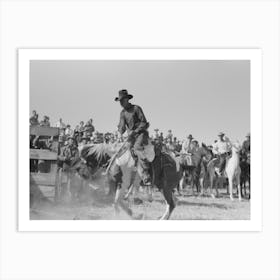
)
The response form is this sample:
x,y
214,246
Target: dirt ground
x,y
93,204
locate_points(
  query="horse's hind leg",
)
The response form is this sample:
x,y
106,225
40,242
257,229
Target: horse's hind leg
x,y
211,179
249,187
150,193
201,183
238,188
170,203
116,200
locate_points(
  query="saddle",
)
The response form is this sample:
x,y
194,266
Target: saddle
x,y
186,159
216,162
129,155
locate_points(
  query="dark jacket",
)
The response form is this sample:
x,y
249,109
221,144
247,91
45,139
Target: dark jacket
x,y
132,119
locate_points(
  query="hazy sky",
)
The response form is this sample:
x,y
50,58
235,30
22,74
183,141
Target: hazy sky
x,y
190,97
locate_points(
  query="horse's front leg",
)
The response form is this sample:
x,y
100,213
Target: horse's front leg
x,y
201,183
68,194
182,183
243,186
239,188
230,188
119,201
249,187
217,184
192,181
211,182
116,199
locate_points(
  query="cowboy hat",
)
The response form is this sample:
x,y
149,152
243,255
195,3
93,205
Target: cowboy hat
x,y
123,94
190,136
221,134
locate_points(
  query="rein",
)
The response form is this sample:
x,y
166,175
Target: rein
x,y
114,157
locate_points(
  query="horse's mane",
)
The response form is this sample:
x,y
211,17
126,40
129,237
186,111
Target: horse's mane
x,y
99,151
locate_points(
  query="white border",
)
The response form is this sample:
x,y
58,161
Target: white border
x,y
24,57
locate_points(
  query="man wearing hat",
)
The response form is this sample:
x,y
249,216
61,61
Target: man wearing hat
x,y
98,138
45,121
89,128
187,151
33,120
246,144
69,152
245,151
156,136
67,155
221,148
169,134
186,146
133,121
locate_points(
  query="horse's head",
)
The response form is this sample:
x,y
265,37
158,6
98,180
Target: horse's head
x,y
206,151
236,147
97,155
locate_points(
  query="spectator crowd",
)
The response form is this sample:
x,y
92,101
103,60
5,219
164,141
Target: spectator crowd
x,y
85,133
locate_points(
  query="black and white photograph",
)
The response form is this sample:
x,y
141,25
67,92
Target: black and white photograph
x,y
140,139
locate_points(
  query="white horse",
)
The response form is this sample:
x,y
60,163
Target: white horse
x,y
232,172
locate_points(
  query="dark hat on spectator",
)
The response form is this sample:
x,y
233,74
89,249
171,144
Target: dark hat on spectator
x,y
123,94
156,129
46,117
190,136
221,134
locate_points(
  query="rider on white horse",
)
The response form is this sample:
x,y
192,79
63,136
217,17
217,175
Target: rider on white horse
x,y
221,148
133,121
186,145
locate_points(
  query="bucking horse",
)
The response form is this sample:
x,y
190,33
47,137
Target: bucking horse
x,y
165,172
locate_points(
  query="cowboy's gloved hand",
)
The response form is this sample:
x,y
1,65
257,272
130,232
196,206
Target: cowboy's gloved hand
x,y
131,134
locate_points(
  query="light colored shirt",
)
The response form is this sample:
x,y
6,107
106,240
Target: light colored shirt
x,y
186,146
68,131
60,125
221,147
